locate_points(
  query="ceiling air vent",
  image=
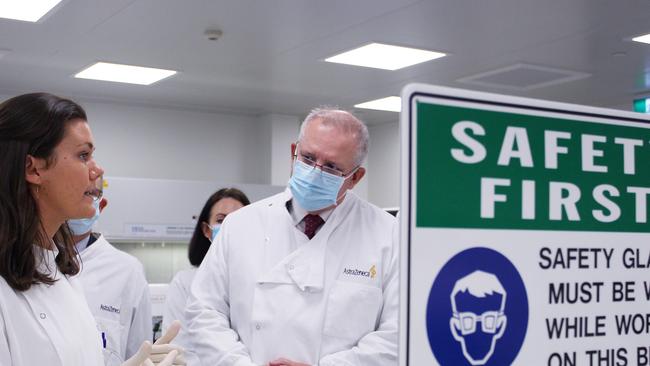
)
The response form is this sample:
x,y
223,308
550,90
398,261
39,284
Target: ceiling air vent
x,y
523,77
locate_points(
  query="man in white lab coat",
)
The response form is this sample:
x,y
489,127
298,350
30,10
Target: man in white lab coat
x,y
116,291
308,276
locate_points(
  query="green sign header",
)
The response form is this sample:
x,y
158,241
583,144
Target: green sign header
x,y
480,168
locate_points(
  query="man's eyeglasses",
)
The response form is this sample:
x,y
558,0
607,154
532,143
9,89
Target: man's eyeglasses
x,y
325,168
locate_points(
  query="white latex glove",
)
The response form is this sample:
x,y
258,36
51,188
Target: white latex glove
x,y
160,353
141,358
162,348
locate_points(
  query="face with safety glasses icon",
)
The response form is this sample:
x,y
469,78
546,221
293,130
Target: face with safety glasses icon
x,y
478,320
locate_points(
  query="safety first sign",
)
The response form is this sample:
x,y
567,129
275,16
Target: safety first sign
x,y
525,235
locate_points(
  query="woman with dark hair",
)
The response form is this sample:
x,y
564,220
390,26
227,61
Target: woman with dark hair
x,y
216,208
48,177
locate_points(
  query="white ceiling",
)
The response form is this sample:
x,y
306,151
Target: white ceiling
x,y
269,59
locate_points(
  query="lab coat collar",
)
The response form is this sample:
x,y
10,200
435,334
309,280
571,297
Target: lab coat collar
x,y
95,249
304,267
82,244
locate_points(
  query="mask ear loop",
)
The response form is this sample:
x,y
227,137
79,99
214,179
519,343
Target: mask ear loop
x,y
344,179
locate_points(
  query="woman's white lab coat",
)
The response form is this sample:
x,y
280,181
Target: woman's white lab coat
x,y
48,324
177,294
179,290
264,291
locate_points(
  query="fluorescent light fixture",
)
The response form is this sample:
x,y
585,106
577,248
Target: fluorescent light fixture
x,y
389,104
384,56
26,10
124,73
642,39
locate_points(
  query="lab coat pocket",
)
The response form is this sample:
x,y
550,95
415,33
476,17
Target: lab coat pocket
x,y
352,311
111,335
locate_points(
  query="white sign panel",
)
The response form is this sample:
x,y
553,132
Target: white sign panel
x,y
525,236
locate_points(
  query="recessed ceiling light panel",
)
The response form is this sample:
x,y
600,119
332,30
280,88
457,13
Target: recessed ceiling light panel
x,y
643,39
124,73
384,56
26,10
389,104
523,77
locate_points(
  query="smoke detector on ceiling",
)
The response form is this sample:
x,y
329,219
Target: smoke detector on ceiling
x,y
213,34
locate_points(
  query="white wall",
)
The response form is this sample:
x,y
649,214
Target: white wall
x,y
143,142
282,131
384,165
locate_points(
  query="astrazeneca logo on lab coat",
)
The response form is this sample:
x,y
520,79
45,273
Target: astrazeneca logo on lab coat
x,y
109,308
477,312
372,272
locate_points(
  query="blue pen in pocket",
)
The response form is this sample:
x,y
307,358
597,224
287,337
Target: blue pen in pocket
x,y
104,340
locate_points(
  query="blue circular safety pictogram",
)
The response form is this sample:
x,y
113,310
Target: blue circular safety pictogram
x,y
477,312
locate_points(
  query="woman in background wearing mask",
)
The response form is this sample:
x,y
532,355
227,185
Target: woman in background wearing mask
x,y
48,177
215,210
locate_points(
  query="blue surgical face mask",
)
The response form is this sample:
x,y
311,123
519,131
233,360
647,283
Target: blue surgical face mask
x,y
82,226
215,230
314,189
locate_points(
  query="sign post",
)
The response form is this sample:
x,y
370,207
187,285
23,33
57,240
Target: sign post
x,y
525,235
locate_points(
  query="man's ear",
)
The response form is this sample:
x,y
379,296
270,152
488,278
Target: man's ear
x,y
358,175
293,149
32,168
293,153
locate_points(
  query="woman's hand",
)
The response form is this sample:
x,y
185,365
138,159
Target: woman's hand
x,y
160,353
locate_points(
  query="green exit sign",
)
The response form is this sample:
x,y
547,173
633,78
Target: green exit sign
x,y
642,105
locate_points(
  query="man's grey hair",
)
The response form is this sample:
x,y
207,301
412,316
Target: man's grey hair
x,y
346,121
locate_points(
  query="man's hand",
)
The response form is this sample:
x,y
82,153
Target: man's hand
x,y
285,362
